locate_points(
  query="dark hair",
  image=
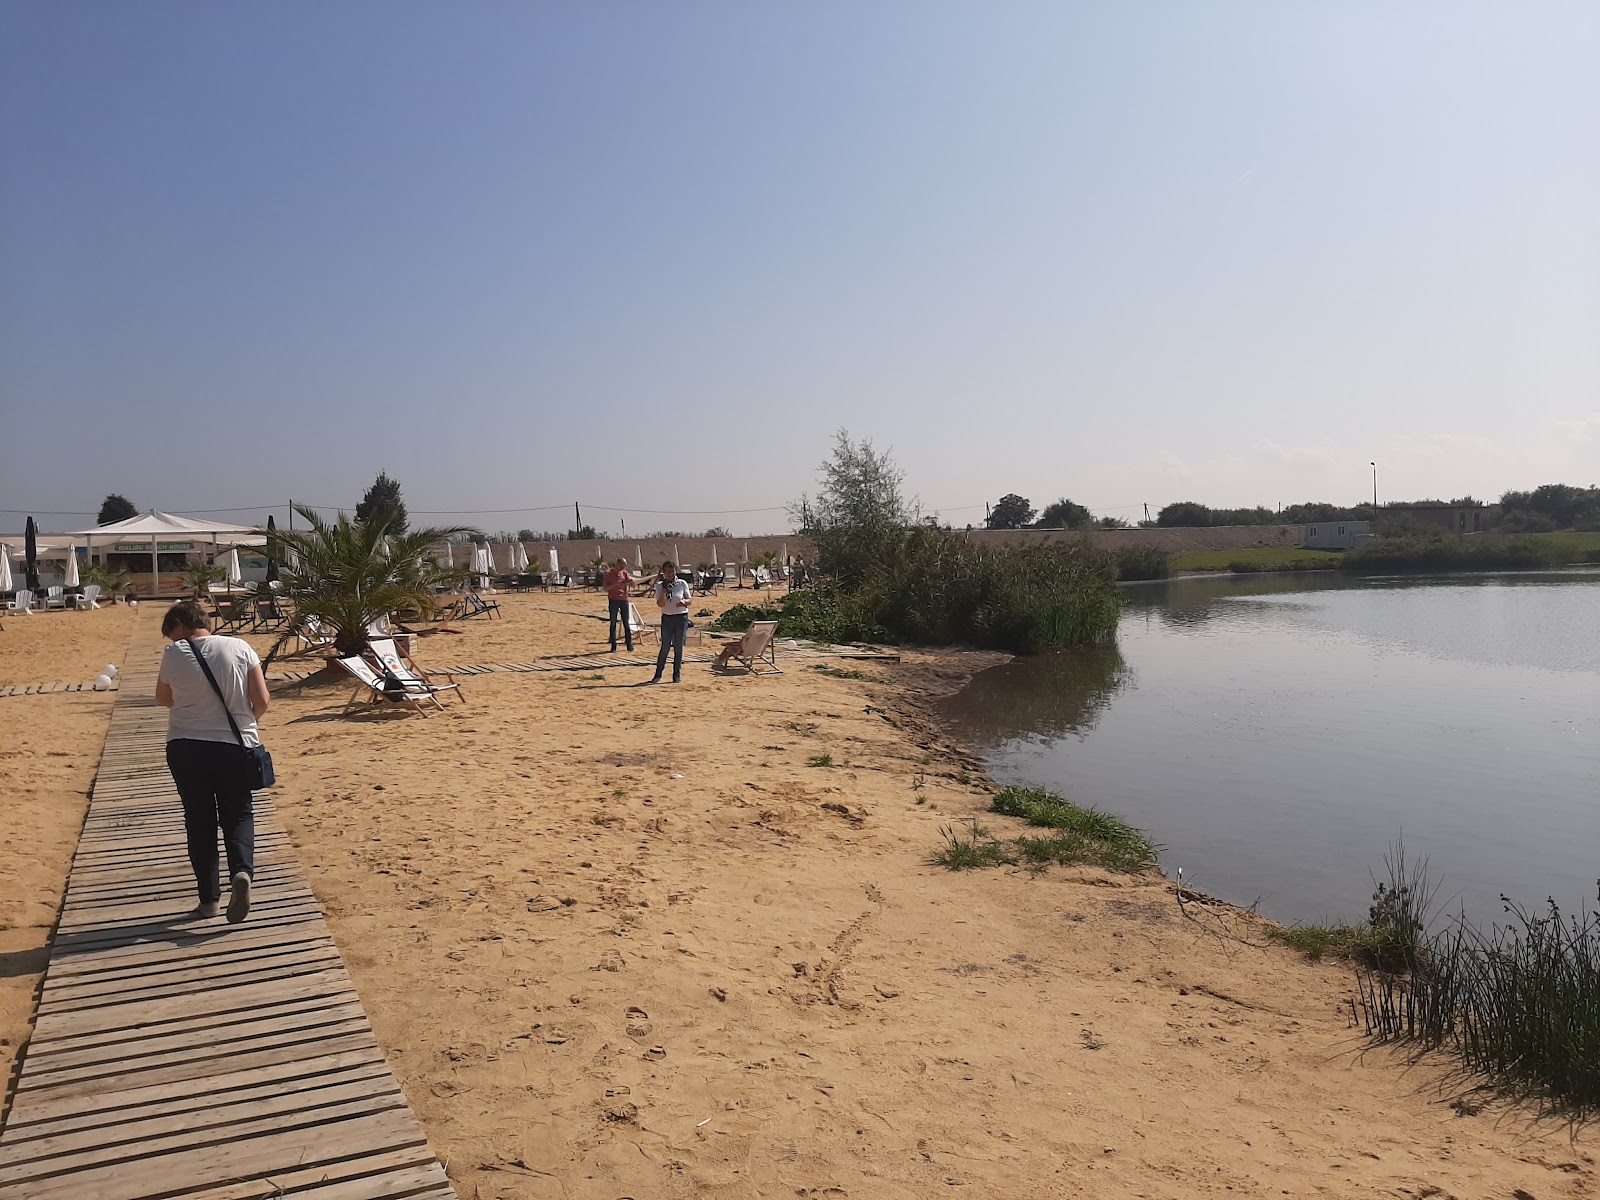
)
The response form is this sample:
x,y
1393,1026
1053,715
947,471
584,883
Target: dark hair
x,y
184,614
668,566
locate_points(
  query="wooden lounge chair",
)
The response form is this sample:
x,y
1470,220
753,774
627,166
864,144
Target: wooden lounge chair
x,y
312,635
753,649
404,668
474,605
373,690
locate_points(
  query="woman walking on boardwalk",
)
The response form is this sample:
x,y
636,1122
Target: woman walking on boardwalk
x,y
205,736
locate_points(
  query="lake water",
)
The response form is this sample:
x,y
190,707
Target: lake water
x,y
1276,733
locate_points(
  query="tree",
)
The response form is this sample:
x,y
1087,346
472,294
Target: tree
x,y
382,506
1110,523
584,533
1010,512
1063,514
858,513
1185,513
115,507
716,531
527,535
343,576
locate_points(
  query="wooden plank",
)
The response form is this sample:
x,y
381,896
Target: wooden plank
x,y
174,1058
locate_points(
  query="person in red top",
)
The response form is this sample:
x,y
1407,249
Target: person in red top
x,y
617,580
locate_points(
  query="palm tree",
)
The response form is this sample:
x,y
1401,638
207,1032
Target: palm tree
x,y
350,573
200,575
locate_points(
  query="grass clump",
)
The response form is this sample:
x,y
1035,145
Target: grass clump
x,y
820,760
1142,562
969,849
1084,835
840,672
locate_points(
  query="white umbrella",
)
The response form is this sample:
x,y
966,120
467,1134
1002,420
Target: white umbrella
x,y
383,547
715,561
234,574
522,559
675,557
638,557
72,565
482,564
744,555
5,568
555,563
449,556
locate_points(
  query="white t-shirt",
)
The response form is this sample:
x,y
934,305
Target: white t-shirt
x,y
677,598
196,713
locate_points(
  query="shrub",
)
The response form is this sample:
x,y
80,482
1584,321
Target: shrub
x,y
1142,562
1084,835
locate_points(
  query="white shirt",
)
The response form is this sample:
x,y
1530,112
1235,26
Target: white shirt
x,y
196,712
677,597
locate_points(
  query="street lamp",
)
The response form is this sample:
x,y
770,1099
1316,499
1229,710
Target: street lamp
x,y
1374,491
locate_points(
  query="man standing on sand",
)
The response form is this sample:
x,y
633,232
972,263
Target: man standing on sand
x,y
672,598
617,580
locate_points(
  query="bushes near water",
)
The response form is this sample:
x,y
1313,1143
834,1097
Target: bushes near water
x,y
1385,555
935,588
1142,562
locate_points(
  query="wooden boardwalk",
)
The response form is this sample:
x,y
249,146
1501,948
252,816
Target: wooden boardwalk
x,y
197,1061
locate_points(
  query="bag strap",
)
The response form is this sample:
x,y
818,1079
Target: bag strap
x,y
212,680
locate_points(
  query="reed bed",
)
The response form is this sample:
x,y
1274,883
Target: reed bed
x,y
1519,1004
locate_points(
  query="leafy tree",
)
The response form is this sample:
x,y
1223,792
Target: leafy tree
x,y
1063,514
115,507
716,531
341,575
858,513
1010,512
1111,523
527,535
382,506
1187,513
584,533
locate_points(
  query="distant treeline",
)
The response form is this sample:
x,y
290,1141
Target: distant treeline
x,y
1545,509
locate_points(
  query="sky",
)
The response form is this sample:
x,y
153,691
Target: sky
x,y
649,257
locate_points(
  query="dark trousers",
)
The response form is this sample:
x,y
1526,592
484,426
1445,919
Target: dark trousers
x,y
674,628
619,612
211,783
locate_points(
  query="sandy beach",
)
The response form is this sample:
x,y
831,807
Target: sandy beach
x,y
623,941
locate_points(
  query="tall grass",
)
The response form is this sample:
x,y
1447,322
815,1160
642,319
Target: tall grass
x,y
1519,1003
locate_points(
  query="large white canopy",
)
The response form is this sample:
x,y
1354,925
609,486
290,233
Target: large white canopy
x,y
160,524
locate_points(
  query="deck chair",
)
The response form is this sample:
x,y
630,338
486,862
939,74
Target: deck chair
x,y
636,627
312,635
21,602
405,669
372,690
55,597
89,598
753,649
475,605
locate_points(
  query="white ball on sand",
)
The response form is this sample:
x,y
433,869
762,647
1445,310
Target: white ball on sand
x,y
102,682
111,670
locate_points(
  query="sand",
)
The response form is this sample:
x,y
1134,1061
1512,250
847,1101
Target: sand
x,y
623,941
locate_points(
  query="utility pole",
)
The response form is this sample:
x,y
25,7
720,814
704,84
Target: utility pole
x,y
291,512
578,517
1147,511
1374,491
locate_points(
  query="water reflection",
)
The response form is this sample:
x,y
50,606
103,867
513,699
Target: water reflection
x,y
1276,733
1049,696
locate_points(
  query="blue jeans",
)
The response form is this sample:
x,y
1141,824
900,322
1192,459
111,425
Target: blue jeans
x,y
674,628
211,783
619,612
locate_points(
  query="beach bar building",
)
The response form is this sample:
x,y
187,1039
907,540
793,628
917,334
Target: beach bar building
x,y
155,548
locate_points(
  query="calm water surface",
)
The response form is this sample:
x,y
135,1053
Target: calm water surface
x,y
1277,733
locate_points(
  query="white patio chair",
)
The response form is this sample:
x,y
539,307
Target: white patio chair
x,y
21,602
55,596
89,599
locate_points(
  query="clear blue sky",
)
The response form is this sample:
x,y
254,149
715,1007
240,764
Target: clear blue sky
x,y
650,255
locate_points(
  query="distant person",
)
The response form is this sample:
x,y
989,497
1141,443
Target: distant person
x,y
672,598
797,574
617,580
203,754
